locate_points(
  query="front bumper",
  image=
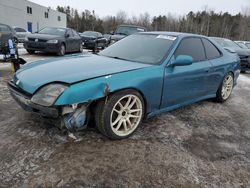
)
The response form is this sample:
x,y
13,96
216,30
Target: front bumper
x,y
42,46
24,100
245,63
89,45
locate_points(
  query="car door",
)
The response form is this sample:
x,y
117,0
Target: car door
x,y
215,56
184,84
69,41
77,40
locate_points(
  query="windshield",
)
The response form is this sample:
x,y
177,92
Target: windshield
x,y
89,34
143,48
4,29
242,45
126,30
53,31
226,42
248,45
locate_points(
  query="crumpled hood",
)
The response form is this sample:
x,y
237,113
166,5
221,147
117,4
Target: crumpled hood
x,y
70,69
43,36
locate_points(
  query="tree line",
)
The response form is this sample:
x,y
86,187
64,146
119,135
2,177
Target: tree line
x,y
205,22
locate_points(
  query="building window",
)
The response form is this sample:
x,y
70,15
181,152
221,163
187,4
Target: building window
x,y
29,10
46,14
59,18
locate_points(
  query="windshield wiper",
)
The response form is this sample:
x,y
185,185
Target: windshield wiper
x,y
119,58
121,34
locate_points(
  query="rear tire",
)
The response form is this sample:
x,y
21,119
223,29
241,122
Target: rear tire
x,y
225,88
61,50
15,41
120,115
81,48
95,49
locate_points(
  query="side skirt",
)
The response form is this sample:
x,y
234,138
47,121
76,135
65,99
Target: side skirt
x,y
179,105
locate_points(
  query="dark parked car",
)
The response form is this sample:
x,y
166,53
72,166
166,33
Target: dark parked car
x,y
138,77
93,40
21,34
6,33
125,30
107,36
232,47
54,40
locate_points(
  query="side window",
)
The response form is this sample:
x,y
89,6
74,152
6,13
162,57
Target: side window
x,y
75,33
99,35
211,51
17,29
70,33
192,47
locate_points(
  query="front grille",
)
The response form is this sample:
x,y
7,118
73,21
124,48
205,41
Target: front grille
x,y
243,57
38,40
42,40
36,47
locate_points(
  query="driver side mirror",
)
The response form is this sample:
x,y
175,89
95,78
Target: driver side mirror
x,y
182,60
67,35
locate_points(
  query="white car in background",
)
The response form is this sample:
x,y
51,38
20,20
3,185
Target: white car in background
x,y
21,34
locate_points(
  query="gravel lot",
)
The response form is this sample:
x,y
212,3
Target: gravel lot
x,y
201,145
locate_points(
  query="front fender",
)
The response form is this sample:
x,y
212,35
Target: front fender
x,y
147,81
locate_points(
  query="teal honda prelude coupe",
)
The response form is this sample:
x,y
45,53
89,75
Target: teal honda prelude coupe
x,y
140,76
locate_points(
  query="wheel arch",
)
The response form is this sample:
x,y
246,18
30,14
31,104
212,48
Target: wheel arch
x,y
137,90
94,102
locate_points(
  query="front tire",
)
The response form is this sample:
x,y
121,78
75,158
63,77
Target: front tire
x,y
61,50
81,48
225,88
120,115
95,48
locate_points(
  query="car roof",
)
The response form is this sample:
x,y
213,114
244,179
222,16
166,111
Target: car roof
x,y
125,25
242,41
58,27
175,34
4,24
220,38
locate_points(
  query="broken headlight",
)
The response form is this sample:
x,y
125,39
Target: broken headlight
x,y
47,95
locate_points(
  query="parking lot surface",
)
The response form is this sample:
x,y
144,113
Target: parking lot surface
x,y
202,145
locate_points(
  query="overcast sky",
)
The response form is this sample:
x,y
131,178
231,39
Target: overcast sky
x,y
153,7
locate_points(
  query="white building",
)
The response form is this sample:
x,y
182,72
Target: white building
x,y
29,15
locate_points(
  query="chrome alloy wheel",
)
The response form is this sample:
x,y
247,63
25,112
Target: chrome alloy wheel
x,y
227,86
126,115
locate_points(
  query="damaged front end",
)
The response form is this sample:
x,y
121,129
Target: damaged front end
x,y
74,117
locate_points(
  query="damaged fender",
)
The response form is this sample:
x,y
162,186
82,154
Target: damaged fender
x,y
94,89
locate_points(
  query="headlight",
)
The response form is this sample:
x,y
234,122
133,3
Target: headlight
x,y
52,41
47,95
26,39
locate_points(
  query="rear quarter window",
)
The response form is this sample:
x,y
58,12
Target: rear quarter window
x,y
211,51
